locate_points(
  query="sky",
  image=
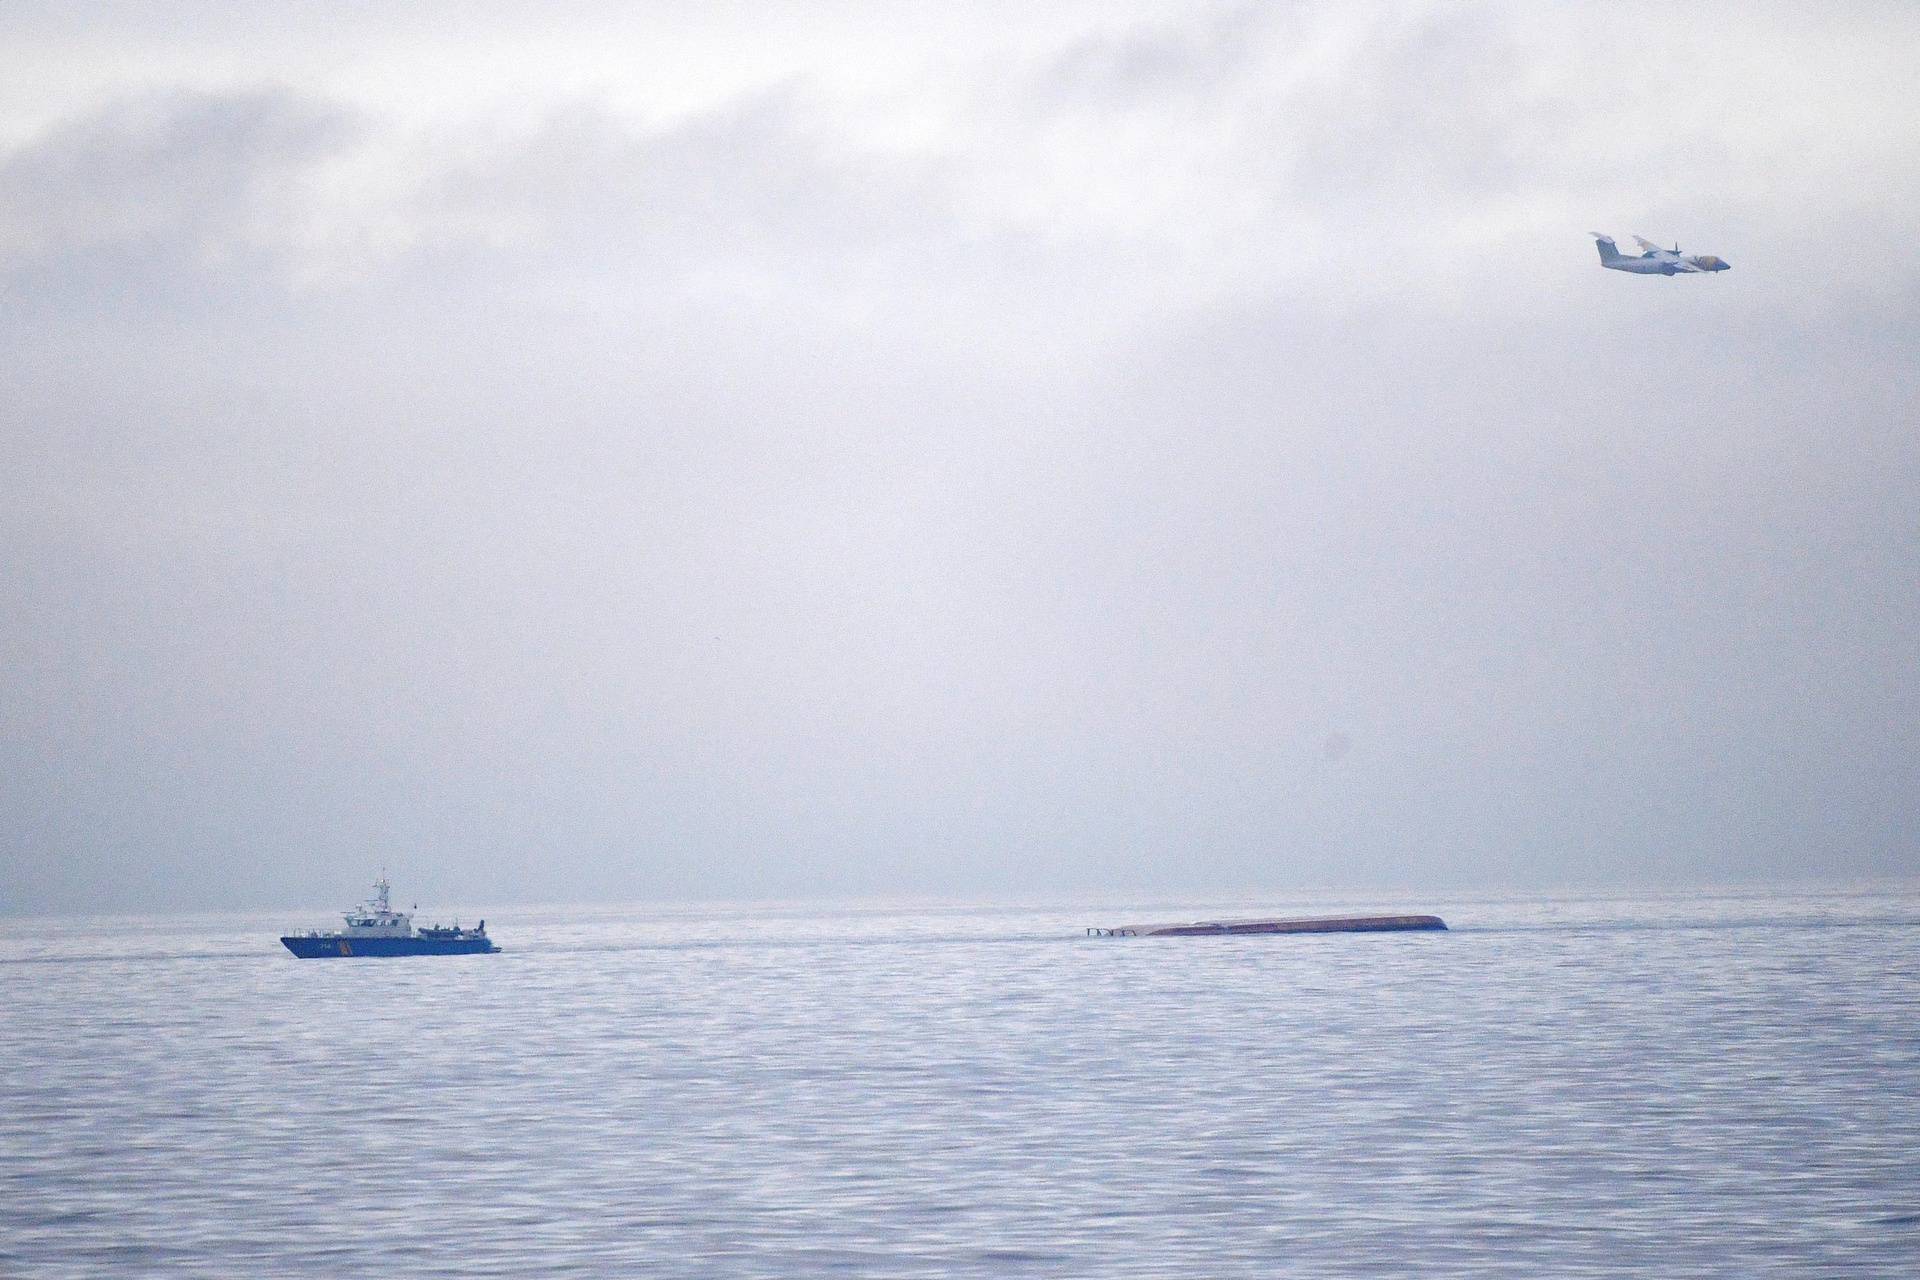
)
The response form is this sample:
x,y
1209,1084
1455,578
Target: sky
x,y
587,451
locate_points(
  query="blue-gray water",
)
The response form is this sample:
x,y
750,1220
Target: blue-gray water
x,y
1689,1086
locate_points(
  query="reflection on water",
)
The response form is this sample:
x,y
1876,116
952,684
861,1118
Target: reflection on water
x,y
1693,1086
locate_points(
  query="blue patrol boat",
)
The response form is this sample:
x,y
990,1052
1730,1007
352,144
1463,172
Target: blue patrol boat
x,y
376,929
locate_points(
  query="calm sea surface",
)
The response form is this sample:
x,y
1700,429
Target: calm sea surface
x,y
1688,1086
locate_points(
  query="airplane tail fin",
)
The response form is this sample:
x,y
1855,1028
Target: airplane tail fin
x,y
1609,251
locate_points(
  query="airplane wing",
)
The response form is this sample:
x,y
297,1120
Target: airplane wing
x,y
1651,247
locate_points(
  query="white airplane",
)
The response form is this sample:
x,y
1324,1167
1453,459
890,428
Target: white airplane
x,y
1656,261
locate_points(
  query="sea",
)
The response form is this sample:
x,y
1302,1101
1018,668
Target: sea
x,y
1697,1085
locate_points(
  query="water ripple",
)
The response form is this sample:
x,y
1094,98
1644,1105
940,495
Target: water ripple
x,y
1699,1086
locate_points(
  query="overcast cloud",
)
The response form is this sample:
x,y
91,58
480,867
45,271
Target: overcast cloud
x,y
728,451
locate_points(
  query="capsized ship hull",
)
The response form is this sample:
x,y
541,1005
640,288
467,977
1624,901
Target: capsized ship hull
x,y
330,946
1323,924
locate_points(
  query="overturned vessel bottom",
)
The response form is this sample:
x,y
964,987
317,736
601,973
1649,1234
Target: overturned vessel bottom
x,y
1322,924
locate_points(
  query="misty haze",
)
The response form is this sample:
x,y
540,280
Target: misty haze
x,y
831,455
795,512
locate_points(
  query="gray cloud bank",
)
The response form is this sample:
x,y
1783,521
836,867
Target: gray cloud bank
x,y
1005,470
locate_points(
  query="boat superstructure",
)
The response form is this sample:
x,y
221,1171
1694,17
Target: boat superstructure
x,y
374,928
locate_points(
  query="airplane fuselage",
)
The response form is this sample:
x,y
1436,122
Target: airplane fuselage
x,y
1648,265
1645,265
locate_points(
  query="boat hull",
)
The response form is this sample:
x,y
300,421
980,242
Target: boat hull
x,y
334,946
1329,924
